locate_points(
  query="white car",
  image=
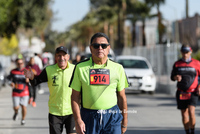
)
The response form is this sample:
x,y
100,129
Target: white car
x,y
139,73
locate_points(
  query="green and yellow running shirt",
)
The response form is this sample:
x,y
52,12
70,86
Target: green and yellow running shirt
x,y
59,90
99,83
58,82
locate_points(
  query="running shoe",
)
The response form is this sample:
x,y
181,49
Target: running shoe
x,y
15,116
33,104
40,91
30,100
23,122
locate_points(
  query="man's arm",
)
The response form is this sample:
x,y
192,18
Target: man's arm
x,y
80,125
42,77
174,76
10,80
122,103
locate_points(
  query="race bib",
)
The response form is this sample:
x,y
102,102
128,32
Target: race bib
x,y
99,76
185,96
19,86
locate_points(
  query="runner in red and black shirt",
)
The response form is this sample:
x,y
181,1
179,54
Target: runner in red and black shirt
x,y
186,71
20,93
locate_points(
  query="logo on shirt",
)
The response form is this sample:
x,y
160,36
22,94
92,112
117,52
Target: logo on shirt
x,y
93,71
54,78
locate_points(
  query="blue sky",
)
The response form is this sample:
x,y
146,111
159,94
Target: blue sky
x,y
71,11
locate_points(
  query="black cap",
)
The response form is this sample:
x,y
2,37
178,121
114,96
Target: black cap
x,y
185,49
62,48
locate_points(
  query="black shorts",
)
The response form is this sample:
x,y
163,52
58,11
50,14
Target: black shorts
x,y
183,104
56,124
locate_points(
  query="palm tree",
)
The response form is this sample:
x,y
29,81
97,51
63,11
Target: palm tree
x,y
161,27
119,7
137,10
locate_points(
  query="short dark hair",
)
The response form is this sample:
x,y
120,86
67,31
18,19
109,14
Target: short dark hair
x,y
18,60
96,35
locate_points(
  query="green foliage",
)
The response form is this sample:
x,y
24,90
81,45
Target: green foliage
x,y
16,14
155,2
8,45
196,55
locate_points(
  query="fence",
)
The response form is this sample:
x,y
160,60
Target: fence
x,y
162,58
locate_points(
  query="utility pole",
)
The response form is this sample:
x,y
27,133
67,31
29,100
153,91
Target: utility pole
x,y
186,8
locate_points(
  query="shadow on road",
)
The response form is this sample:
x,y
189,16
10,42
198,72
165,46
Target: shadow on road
x,y
26,119
24,127
156,130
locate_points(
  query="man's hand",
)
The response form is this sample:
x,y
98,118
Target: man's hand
x,y
29,73
178,78
27,80
12,85
80,126
198,90
123,128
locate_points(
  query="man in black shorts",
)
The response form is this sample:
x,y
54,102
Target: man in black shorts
x,y
186,71
57,77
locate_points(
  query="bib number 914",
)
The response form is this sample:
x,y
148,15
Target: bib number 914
x,y
99,77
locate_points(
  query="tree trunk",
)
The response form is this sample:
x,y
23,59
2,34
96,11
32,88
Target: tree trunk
x,y
159,28
143,33
119,42
133,36
124,31
121,19
105,27
111,34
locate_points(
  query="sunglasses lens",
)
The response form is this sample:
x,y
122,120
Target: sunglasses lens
x,y
96,46
104,46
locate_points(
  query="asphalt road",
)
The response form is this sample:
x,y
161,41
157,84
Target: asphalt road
x,y
147,114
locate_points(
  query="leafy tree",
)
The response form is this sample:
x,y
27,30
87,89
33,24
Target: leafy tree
x,y
19,16
97,20
9,45
16,14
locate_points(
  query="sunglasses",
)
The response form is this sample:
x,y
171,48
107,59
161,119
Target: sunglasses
x,y
96,45
20,63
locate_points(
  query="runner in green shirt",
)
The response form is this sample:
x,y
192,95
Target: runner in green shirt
x,y
58,76
101,84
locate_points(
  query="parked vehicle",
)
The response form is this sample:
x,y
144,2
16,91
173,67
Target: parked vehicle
x,y
139,72
2,77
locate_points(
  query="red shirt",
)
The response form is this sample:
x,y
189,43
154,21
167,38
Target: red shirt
x,y
189,72
21,87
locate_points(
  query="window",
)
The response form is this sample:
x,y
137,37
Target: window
x,y
130,63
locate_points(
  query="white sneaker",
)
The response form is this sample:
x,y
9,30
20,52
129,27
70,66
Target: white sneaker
x,y
41,91
23,122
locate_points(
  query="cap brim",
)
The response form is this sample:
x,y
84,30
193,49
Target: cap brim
x,y
60,51
185,51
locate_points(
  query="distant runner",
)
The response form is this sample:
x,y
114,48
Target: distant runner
x,y
186,71
20,93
